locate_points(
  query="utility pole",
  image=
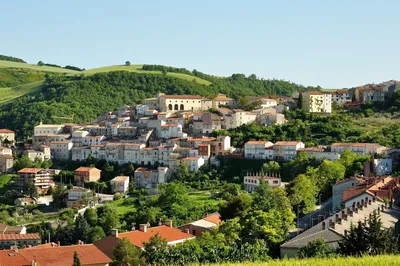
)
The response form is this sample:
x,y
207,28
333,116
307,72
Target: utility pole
x,y
298,218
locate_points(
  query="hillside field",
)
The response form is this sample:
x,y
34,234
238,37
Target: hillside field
x,y
383,260
9,64
137,69
9,94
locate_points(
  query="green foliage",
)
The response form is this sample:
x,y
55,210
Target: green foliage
x,y
10,77
317,248
109,218
59,195
127,63
155,249
11,58
126,253
82,229
96,233
271,167
76,262
91,216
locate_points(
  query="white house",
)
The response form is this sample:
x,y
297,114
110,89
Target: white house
x,y
259,150
61,150
120,184
287,150
252,181
193,163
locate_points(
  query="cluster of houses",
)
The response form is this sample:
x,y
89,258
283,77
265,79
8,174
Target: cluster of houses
x,y
100,252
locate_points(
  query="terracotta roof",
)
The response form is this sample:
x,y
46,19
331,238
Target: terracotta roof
x,y
29,170
143,169
85,169
223,98
313,92
342,91
182,97
3,130
316,149
213,218
286,143
170,125
13,258
253,142
19,236
120,178
189,159
88,255
170,234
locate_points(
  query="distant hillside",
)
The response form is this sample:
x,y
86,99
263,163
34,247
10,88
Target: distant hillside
x,y
10,64
138,69
11,58
10,77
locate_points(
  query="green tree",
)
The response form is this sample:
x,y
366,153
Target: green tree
x,y
96,233
317,248
109,218
91,216
155,249
40,63
59,195
127,63
125,253
235,205
271,167
77,262
329,173
82,229
303,191
31,189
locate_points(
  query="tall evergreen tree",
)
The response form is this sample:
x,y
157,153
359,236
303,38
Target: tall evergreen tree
x,y
77,262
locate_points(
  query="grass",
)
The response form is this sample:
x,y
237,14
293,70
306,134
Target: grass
x,y
383,260
137,69
9,64
9,94
121,208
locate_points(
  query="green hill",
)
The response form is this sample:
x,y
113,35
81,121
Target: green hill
x,y
11,93
10,64
383,260
138,69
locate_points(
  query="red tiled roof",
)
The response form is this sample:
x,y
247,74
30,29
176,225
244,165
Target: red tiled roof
x,y
170,234
85,169
29,170
88,255
253,142
19,236
182,97
213,218
190,159
170,125
286,143
313,92
13,258
223,98
3,130
120,178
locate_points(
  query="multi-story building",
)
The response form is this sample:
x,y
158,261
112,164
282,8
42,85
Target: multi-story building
x,y
7,137
172,131
41,178
6,160
316,102
321,153
340,187
252,180
19,240
341,96
236,118
86,174
272,119
46,129
221,146
79,197
286,150
148,178
42,152
180,103
61,150
360,148
221,100
262,150
193,163
119,184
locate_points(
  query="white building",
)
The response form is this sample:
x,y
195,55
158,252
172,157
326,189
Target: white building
x,y
286,150
172,131
193,163
259,150
44,129
61,150
360,148
148,178
120,184
321,154
383,166
252,181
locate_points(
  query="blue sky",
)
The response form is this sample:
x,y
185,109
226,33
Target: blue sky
x,y
333,44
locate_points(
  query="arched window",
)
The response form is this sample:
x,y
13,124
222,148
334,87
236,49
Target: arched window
x,y
182,108
176,107
170,107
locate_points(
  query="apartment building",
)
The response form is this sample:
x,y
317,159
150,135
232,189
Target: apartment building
x,y
6,160
222,100
41,178
61,150
341,97
120,184
287,150
150,178
193,163
46,129
42,152
320,153
262,150
221,146
253,180
172,131
316,102
359,148
86,174
19,240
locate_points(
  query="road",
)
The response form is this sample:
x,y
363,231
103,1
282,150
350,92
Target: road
x,y
312,218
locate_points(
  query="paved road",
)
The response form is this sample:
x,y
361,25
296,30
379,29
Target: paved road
x,y
312,218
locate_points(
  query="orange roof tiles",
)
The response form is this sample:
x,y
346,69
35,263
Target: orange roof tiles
x,y
182,97
85,169
13,258
170,234
120,178
286,143
88,255
190,159
3,130
253,142
12,237
171,125
213,218
313,92
29,170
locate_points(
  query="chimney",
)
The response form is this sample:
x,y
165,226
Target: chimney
x,y
332,224
356,210
114,232
59,244
379,211
168,223
374,198
345,232
382,208
323,225
187,231
369,201
133,227
143,228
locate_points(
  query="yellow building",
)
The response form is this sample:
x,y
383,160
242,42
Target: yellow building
x,y
316,102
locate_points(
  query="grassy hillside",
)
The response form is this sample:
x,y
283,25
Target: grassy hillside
x,y
383,260
137,69
11,93
10,64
